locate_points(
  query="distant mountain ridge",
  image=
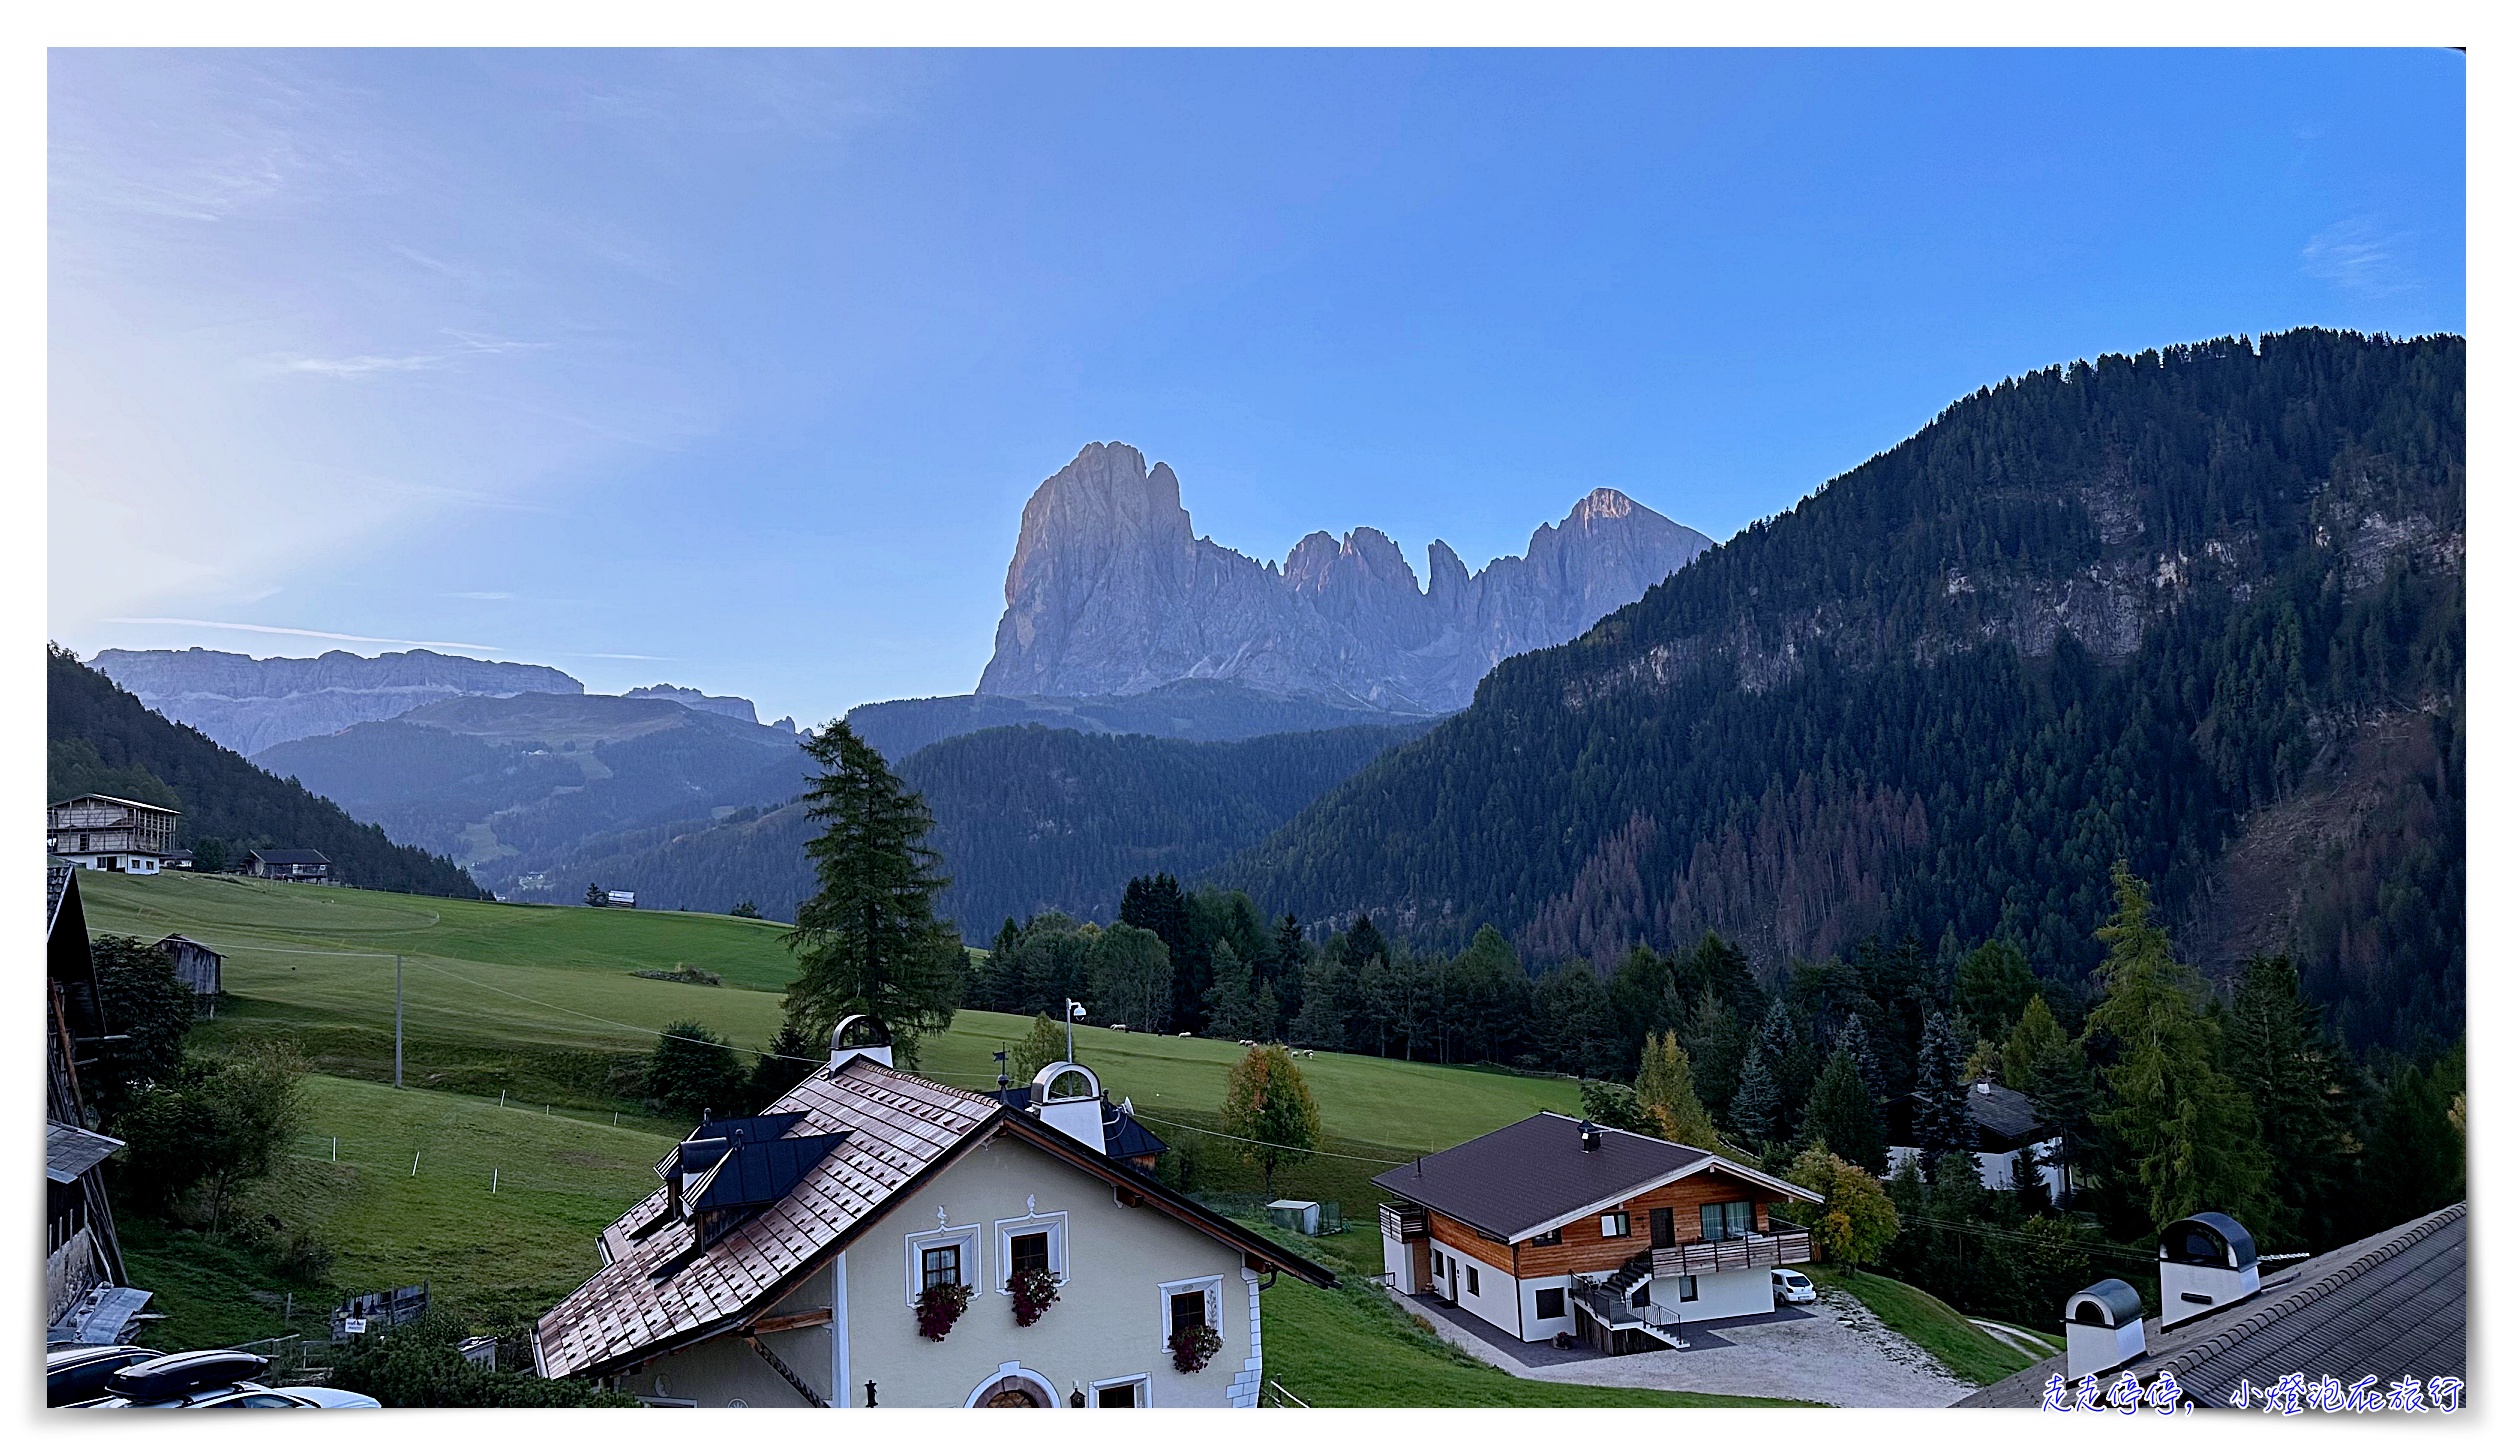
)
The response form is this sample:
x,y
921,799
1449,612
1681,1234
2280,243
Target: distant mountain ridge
x,y
510,787
1026,818
1199,710
1110,592
247,704
103,739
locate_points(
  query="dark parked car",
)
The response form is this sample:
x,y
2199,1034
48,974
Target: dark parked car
x,y
79,1372
214,1379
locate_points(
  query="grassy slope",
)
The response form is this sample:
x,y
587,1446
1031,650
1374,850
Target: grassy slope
x,y
1352,1347
1930,1323
539,999
497,1257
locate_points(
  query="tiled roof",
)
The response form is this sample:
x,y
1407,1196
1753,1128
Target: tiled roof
x,y
901,1126
2393,1306
1532,1174
661,1290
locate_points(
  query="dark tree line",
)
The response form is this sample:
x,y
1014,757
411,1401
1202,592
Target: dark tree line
x,y
1871,715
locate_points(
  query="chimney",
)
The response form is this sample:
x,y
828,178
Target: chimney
x,y
859,1035
1066,1095
1590,1139
2203,1263
2104,1328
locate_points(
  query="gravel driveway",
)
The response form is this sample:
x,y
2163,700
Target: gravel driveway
x,y
1840,1356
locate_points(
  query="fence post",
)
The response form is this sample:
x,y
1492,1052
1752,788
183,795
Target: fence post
x,y
414,1164
501,1098
335,1149
492,1179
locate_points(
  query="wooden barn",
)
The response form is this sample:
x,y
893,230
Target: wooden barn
x,y
197,966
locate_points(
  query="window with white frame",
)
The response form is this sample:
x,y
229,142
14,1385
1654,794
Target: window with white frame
x,y
943,1255
1614,1225
1134,1392
1188,1302
1035,1241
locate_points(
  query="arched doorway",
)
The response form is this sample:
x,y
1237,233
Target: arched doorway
x,y
1014,1388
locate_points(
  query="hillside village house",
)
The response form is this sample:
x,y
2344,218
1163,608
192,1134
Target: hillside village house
x,y
2003,1121
117,835
1555,1226
781,1261
297,866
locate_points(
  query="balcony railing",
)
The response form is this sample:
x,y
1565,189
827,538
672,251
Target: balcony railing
x,y
1786,1243
1404,1222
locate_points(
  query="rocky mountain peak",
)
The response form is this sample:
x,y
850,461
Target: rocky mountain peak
x,y
1110,592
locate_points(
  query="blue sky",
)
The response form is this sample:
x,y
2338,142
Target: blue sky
x,y
734,369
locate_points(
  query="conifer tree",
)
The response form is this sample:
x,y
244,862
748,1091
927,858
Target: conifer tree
x,y
1232,1000
2299,1083
1291,943
1862,1056
1754,1109
1940,1121
1131,980
1320,1023
2035,1041
1665,1091
1841,1113
868,940
1363,944
2033,1195
1992,985
2187,1133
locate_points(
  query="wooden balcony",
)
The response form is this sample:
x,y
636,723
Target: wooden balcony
x,y
1785,1245
1404,1221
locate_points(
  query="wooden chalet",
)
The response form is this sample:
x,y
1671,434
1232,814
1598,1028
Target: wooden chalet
x,y
1554,1226
297,866
116,835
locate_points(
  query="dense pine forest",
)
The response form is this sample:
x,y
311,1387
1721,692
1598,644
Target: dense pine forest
x,y
2145,609
103,741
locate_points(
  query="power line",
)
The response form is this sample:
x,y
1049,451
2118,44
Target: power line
x,y
1284,1146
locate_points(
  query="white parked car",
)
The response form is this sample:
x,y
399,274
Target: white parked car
x,y
1790,1286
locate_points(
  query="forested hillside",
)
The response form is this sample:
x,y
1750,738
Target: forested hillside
x,y
1027,819
2200,610
103,741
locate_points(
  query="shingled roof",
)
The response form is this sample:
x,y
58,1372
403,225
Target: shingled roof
x,y
2392,1306
1532,1175
661,1290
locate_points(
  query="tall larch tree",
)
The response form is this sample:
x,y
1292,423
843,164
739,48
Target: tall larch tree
x,y
2186,1132
867,941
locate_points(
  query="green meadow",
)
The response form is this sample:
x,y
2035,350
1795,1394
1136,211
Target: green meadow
x,y
541,1002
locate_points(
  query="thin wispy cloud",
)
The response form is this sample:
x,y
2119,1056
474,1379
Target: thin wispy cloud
x,y
294,631
2360,257
481,595
466,346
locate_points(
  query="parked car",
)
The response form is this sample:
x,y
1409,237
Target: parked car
x,y
1790,1286
215,1379
77,1372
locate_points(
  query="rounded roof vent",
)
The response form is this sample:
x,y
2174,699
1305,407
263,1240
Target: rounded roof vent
x,y
1063,1081
2209,1240
858,1033
2110,1304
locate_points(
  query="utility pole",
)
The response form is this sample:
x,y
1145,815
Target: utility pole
x,y
396,1022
